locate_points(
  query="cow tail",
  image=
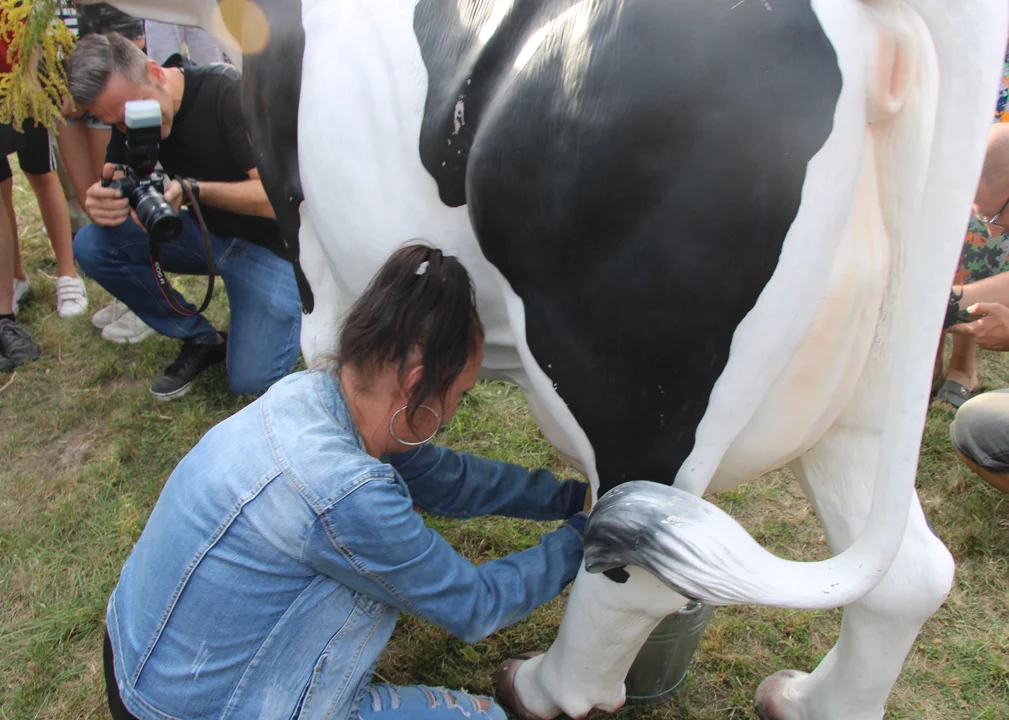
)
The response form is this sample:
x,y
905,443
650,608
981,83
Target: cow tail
x,y
701,552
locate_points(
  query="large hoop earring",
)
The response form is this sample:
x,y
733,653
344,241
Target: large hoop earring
x,y
397,438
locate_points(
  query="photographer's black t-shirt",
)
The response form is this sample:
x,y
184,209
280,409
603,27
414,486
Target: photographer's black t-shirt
x,y
209,141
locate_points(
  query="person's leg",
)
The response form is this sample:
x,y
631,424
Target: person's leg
x,y
7,195
56,218
7,253
962,367
78,218
265,332
98,141
201,47
39,165
418,702
16,345
163,40
119,260
980,433
75,143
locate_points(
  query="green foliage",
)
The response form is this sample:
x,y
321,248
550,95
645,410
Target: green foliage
x,y
38,42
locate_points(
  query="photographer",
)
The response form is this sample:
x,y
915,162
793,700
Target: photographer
x,y
204,142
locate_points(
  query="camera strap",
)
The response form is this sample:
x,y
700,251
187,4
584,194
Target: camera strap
x,y
164,284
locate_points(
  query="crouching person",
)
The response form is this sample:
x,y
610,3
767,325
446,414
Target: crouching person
x,y
205,143
271,572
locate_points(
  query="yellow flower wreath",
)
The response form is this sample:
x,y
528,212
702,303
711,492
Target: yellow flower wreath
x,y
38,42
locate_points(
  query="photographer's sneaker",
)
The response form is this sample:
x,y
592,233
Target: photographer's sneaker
x,y
17,345
193,360
71,296
109,314
21,288
127,329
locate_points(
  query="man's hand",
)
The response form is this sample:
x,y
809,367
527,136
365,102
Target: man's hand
x,y
104,205
991,330
174,195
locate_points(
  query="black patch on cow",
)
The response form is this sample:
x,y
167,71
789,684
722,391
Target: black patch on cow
x,y
634,182
271,91
465,76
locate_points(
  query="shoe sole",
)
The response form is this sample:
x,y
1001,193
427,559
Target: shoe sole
x,y
174,395
133,340
74,313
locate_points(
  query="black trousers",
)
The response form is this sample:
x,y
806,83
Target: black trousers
x,y
119,711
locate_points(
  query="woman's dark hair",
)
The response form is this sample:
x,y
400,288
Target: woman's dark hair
x,y
420,300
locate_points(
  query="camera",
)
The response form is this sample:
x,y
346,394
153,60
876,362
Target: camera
x,y
141,183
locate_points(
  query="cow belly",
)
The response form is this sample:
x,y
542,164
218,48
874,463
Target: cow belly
x,y
817,383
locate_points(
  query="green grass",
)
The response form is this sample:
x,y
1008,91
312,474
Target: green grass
x,y
84,451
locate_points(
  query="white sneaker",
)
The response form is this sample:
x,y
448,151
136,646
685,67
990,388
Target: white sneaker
x,y
109,314
127,329
71,296
21,288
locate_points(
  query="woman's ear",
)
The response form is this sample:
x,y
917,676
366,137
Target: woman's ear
x,y
413,375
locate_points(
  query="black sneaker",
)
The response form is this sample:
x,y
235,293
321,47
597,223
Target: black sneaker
x,y
16,345
194,358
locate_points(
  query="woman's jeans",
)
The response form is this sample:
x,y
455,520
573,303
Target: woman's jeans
x,y
265,331
417,702
379,702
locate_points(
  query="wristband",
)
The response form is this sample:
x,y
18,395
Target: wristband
x,y
194,188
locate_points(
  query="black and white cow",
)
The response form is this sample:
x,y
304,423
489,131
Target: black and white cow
x,y
709,238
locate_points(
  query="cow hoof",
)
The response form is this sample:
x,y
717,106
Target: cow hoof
x,y
778,698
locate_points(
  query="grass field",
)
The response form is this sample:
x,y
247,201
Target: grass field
x,y
84,451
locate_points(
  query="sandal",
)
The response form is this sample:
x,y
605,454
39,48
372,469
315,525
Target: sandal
x,y
953,393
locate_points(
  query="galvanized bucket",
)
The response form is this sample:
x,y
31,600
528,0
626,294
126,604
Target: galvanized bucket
x,y
661,666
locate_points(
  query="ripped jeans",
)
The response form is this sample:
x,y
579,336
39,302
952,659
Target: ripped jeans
x,y
417,702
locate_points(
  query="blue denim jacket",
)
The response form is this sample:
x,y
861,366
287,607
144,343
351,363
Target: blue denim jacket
x,y
272,569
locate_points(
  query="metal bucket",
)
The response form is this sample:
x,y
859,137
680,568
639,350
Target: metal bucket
x,y
661,665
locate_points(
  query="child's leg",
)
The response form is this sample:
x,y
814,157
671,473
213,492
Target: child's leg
x,y
75,146
7,254
39,166
10,221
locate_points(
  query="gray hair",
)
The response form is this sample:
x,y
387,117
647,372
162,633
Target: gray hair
x,y
95,58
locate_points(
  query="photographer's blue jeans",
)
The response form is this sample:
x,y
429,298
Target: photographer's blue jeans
x,y
265,329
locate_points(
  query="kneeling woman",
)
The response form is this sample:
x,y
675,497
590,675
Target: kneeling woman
x,y
270,574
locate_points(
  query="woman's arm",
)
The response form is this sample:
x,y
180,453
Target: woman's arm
x,y
458,484
373,541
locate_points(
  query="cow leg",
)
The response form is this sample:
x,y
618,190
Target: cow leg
x,y
854,679
605,624
319,328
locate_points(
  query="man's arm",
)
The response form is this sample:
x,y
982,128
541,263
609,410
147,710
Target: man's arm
x,y
246,197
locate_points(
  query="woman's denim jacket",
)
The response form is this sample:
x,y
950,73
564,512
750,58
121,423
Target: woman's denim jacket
x,y
272,569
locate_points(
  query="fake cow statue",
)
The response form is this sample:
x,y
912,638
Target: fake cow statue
x,y
709,238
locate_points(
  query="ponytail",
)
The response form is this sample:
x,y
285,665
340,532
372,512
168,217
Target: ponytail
x,y
420,300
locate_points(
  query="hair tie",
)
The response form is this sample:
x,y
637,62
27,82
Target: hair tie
x,y
423,268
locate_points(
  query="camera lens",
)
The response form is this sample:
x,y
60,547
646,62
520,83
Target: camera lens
x,y
157,216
